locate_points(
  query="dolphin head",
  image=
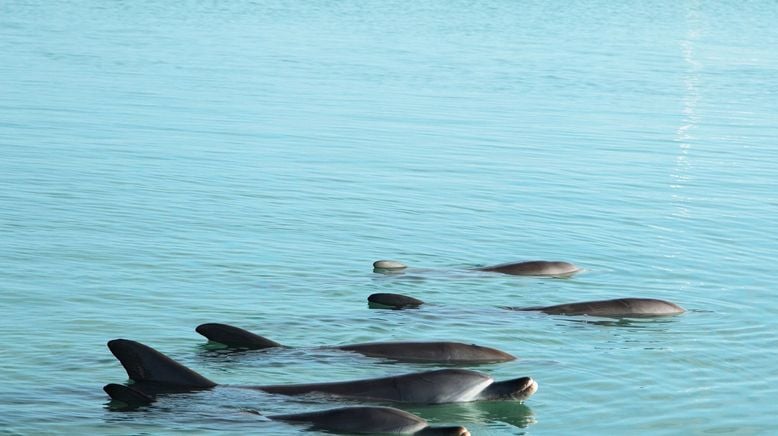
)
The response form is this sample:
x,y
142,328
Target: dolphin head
x,y
443,431
518,389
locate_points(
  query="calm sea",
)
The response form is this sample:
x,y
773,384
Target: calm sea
x,y
165,164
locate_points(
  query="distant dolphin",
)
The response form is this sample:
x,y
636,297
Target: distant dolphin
x,y
619,307
527,268
440,352
359,419
389,265
395,301
392,301
153,372
535,268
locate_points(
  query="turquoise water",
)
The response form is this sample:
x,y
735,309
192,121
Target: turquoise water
x,y
165,164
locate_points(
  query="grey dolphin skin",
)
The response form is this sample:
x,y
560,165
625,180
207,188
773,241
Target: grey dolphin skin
x,y
619,307
439,352
535,268
395,301
235,337
359,419
616,308
366,419
391,301
389,265
154,372
527,268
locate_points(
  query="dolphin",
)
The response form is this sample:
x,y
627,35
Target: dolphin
x,y
392,301
619,307
358,419
395,301
534,268
526,268
389,265
440,352
153,372
371,419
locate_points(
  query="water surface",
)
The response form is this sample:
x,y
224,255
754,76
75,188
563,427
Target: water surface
x,y
165,164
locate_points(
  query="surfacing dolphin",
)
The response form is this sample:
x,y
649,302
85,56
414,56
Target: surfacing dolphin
x,y
392,301
527,268
534,268
153,372
358,419
439,352
619,307
371,419
616,308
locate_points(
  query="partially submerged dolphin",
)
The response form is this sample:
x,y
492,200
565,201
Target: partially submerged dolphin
x,y
535,268
395,301
527,268
392,301
619,307
366,419
440,352
359,419
616,308
153,372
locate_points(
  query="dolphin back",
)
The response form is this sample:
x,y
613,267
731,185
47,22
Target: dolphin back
x,y
235,337
626,307
145,364
445,352
392,301
369,419
360,419
429,387
534,268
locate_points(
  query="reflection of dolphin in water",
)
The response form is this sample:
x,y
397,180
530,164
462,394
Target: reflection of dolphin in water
x,y
619,307
154,372
359,419
528,268
441,352
507,412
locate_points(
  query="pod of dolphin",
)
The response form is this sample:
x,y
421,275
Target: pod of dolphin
x,y
153,374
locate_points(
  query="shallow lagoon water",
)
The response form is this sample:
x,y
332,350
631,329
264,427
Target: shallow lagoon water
x,y
165,164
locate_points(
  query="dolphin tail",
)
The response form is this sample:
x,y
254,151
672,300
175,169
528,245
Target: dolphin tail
x,y
145,364
234,337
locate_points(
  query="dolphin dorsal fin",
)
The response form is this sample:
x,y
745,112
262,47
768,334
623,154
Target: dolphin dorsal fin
x,y
145,364
235,337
